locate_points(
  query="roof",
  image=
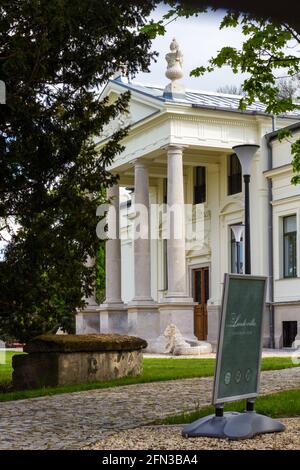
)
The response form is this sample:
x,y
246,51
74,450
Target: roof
x,y
292,127
199,98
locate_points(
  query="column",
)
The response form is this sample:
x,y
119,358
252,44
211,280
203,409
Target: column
x,y
142,255
176,245
216,240
113,250
143,318
176,307
113,312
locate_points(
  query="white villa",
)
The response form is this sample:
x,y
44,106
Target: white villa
x,y
179,151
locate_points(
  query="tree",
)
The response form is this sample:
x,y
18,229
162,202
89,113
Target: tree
x,y
288,87
268,54
100,274
231,90
54,58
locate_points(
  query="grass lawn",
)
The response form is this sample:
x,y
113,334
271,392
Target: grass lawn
x,y
155,369
276,405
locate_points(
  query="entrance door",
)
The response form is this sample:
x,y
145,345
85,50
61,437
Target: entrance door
x,y
201,295
289,333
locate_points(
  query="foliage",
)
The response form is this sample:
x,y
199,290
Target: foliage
x,y
178,9
231,90
54,58
100,274
288,87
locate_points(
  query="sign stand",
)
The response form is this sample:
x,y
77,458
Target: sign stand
x,y
238,363
232,425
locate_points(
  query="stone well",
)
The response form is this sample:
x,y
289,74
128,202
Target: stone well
x,y
73,359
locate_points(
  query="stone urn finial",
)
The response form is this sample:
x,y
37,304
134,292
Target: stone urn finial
x,y
174,71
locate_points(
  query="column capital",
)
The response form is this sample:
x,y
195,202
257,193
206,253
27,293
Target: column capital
x,y
140,163
175,147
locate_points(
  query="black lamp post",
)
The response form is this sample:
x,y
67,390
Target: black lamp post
x,y
238,230
245,154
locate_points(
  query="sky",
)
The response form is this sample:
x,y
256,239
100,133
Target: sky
x,y
199,39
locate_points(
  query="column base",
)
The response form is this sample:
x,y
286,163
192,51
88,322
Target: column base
x,y
143,319
113,318
87,320
278,340
178,311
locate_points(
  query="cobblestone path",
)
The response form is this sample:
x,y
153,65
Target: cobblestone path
x,y
76,419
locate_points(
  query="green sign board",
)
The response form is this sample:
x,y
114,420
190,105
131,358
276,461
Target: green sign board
x,y
240,338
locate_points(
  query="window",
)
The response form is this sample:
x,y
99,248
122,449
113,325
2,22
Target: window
x,y
130,191
289,333
289,246
165,190
234,254
234,175
200,185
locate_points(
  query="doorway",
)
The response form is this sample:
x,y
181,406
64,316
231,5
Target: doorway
x,y
201,296
289,330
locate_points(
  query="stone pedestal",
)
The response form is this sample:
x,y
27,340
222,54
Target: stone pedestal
x,y
88,321
113,318
54,360
143,319
180,314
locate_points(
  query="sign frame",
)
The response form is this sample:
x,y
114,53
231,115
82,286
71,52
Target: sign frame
x,y
220,401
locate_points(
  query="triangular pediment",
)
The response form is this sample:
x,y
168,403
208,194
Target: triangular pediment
x,y
140,108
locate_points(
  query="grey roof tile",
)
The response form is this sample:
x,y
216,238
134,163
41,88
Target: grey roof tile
x,y
199,98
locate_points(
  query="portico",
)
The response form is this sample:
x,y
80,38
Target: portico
x,y
178,152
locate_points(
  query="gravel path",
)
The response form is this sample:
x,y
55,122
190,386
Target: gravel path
x,y
169,438
77,419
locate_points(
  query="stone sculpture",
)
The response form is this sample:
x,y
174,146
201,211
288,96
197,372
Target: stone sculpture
x,y
174,71
177,345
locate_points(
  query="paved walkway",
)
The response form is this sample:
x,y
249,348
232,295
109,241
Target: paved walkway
x,y
81,418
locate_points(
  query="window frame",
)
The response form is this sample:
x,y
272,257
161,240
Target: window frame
x,y
291,236
232,243
200,187
231,190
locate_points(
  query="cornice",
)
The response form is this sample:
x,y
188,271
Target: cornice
x,y
281,201
211,120
280,170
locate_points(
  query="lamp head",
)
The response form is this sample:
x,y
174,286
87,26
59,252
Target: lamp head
x,y
245,154
238,231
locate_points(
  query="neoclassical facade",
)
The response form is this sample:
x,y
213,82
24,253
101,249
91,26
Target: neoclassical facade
x,y
179,152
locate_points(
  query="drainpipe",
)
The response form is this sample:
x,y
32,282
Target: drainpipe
x,y
270,237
